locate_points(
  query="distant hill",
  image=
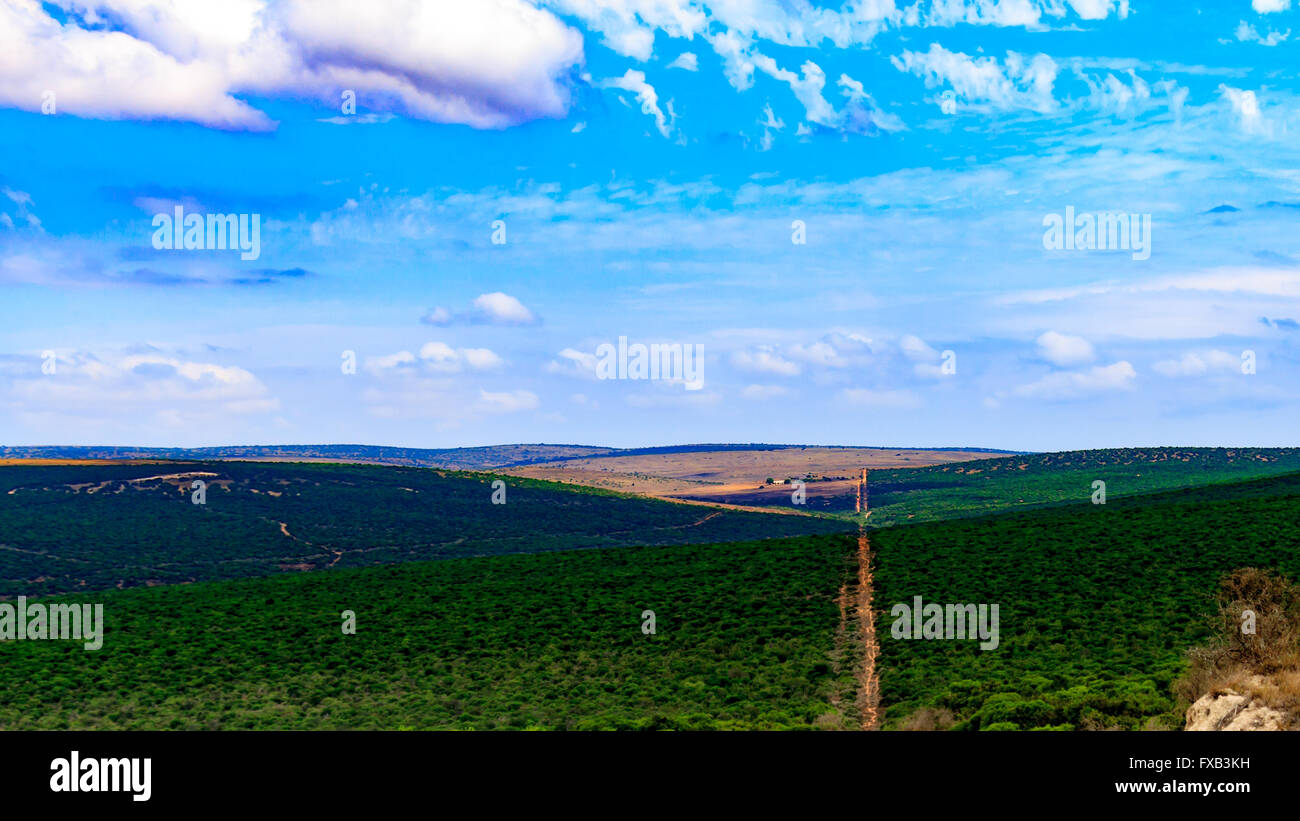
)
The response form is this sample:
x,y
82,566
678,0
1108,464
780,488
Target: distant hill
x,y
98,526
981,487
478,458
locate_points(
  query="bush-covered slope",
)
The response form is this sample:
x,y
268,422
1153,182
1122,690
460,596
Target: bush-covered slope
x,y
745,638
87,527
978,488
1098,603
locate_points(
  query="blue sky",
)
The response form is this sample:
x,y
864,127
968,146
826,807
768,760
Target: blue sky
x,y
649,159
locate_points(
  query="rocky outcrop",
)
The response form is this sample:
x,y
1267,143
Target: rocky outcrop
x,y
1230,710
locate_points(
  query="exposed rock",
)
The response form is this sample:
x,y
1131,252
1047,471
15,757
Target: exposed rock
x,y
1231,710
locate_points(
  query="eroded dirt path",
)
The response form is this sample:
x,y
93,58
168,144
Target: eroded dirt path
x,y
868,681
338,554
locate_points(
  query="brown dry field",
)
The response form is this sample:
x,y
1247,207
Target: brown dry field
x,y
722,474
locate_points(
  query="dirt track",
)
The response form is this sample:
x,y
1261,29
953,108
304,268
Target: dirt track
x,y
868,681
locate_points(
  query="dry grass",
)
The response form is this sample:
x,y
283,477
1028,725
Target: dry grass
x,y
706,475
929,719
1263,665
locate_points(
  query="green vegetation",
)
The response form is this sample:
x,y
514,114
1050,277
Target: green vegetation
x,y
744,639
1099,603
85,527
912,495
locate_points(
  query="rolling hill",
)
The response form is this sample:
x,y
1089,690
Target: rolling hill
x,y
86,527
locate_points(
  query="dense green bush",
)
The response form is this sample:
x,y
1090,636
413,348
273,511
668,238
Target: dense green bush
x,y
56,535
743,639
1098,603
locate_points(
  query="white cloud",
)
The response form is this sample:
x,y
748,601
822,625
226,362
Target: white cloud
x,y
437,316
481,359
1064,350
90,383
820,353
807,87
1099,9
859,115
984,13
1113,94
435,357
1270,6
764,361
686,60
915,349
23,211
488,64
770,123
1246,33
390,361
506,401
1074,384
634,81
495,308
1246,108
1229,280
1199,364
576,363
1016,83
501,309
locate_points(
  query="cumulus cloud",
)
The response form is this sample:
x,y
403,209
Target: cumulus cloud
x,y
437,316
1099,9
764,360
1270,6
487,64
496,308
435,357
92,383
1075,384
1199,364
1246,33
687,61
1064,350
1245,106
